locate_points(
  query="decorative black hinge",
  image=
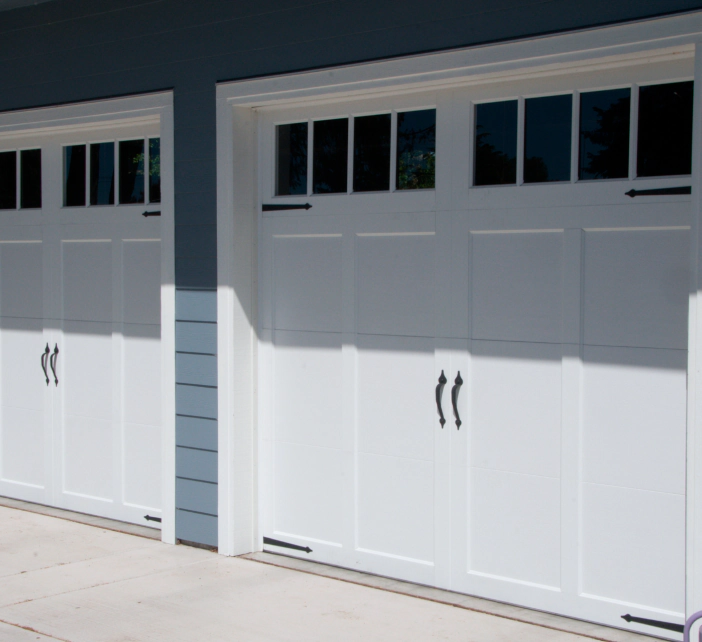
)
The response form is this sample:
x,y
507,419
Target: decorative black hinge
x,y
665,191
145,214
149,518
295,547
267,207
678,628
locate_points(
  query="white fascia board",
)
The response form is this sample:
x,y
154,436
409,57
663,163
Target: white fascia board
x,y
591,49
129,111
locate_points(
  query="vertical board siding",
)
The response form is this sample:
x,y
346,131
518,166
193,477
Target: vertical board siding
x,y
65,51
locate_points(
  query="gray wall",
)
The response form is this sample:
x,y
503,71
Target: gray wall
x,y
71,50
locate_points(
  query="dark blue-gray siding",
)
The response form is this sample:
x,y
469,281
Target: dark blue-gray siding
x,y
71,50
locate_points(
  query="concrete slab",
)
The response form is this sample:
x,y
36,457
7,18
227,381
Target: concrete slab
x,y
90,585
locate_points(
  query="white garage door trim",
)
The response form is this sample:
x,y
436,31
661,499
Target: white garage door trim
x,y
138,110
644,41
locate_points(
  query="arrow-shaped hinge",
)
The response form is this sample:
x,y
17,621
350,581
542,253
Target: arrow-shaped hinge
x,y
149,518
277,542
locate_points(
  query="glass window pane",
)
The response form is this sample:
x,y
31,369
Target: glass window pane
x,y
547,136
8,180
330,157
604,134
154,170
102,174
131,171
665,130
496,143
416,149
30,178
292,159
371,153
74,175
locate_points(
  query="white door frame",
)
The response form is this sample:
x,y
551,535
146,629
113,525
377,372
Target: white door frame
x,y
149,108
644,41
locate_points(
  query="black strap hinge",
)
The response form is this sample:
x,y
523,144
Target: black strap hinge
x,y
267,207
670,626
665,191
277,542
145,214
149,518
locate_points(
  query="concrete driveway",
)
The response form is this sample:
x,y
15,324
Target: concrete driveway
x,y
61,580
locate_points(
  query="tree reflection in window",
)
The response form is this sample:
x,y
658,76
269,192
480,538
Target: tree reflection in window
x,y
604,134
416,149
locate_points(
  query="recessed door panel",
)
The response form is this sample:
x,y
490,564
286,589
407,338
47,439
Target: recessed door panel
x,y
86,282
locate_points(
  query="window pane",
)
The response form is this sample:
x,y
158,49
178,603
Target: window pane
x,y
154,170
330,159
102,174
371,153
30,178
547,137
496,143
665,130
292,159
8,180
74,175
131,171
604,134
416,149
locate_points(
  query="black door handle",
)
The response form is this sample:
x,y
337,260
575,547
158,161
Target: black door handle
x,y
52,362
439,392
454,399
44,357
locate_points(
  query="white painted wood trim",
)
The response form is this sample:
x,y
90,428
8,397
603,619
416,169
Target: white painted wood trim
x,y
694,379
237,287
634,43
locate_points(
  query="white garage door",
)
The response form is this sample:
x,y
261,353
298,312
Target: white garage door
x,y
473,254
80,279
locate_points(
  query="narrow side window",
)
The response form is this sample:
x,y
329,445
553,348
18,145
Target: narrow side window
x,y
154,170
371,153
330,156
291,164
547,136
30,178
604,134
496,143
102,174
8,180
416,149
665,130
74,175
131,171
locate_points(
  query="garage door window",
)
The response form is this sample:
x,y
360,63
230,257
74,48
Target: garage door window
x,y
665,130
8,180
330,156
102,174
547,138
371,153
496,143
416,149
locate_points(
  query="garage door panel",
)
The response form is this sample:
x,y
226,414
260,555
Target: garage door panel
x,y
308,388
634,418
517,286
21,345
85,365
396,284
636,288
514,527
309,492
633,547
88,457
396,507
516,407
141,374
395,396
141,466
87,280
21,279
141,281
22,446
307,283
